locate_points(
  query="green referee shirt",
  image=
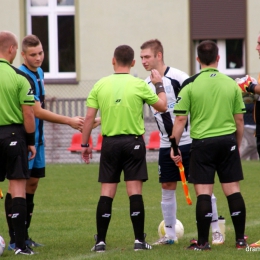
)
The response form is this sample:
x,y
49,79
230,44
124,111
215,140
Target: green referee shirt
x,y
212,99
120,98
15,90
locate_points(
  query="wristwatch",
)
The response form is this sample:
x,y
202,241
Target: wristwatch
x,y
84,145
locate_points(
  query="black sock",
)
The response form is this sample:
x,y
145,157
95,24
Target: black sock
x,y
8,214
19,219
137,215
103,217
30,206
237,210
203,217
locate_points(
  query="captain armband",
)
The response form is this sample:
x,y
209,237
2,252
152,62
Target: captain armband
x,y
159,87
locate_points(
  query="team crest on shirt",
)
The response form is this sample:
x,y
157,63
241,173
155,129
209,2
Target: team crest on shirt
x,y
171,105
168,89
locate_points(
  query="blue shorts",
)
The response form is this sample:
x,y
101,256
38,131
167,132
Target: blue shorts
x,y
37,164
167,169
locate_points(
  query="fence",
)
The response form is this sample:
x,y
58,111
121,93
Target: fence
x,y
58,137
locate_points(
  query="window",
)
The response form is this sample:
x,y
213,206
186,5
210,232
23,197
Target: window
x,y
53,22
232,56
226,23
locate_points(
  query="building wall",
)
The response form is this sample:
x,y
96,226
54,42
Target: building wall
x,y
104,25
13,19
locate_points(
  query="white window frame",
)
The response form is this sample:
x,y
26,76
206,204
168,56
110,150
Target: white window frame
x,y
222,61
52,11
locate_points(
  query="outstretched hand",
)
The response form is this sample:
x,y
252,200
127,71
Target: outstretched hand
x,y
77,122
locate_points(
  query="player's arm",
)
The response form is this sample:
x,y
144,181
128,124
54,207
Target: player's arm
x,y
161,104
46,115
29,125
239,120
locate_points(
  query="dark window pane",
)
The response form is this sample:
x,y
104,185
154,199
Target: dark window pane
x,y
234,54
65,2
40,29
66,43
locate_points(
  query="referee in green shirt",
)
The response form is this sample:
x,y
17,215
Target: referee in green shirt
x,y
216,109
16,134
120,98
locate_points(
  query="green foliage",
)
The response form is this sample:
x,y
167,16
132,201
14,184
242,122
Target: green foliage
x,y
65,208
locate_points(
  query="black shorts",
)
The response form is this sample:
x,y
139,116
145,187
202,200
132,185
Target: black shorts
x,y
217,154
167,169
37,172
123,153
13,153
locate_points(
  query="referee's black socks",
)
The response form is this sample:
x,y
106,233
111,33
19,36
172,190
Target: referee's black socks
x,y
137,215
18,218
203,217
8,214
237,211
30,206
103,216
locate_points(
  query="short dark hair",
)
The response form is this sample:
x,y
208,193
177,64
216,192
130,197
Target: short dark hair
x,y
155,45
30,41
207,52
124,55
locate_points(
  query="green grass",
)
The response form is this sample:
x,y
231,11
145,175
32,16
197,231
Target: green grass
x,y
64,217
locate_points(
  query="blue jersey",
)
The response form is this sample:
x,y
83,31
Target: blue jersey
x,y
36,79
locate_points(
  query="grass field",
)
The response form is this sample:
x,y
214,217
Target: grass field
x,y
64,218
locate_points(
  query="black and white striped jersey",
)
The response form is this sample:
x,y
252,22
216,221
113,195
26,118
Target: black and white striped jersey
x,y
172,81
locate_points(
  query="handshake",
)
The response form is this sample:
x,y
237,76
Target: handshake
x,y
247,84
